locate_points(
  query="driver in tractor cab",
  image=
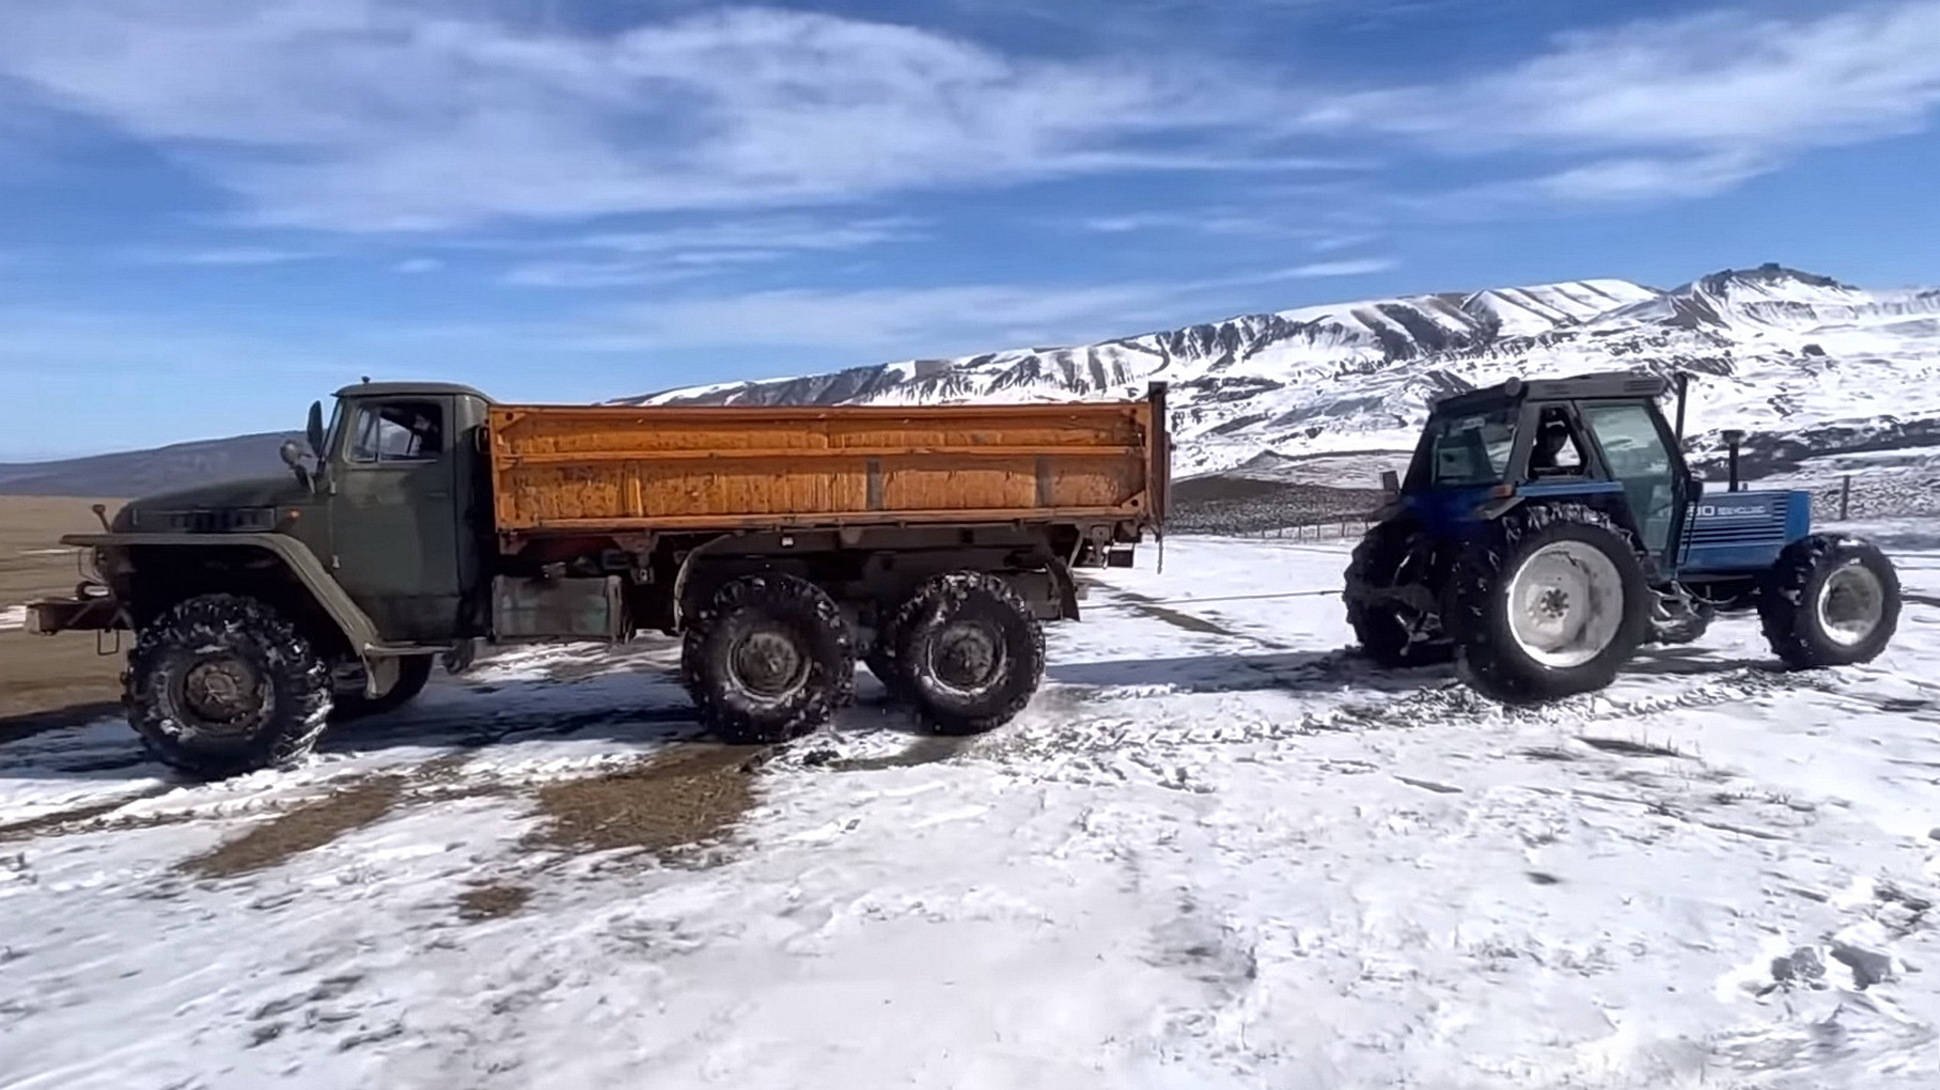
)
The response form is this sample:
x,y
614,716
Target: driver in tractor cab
x,y
1545,460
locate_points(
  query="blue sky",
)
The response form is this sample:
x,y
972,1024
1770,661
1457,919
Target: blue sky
x,y
212,211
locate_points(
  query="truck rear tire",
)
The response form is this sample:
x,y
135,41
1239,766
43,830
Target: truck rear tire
x,y
1381,623
769,659
1552,601
413,672
222,684
1829,601
969,652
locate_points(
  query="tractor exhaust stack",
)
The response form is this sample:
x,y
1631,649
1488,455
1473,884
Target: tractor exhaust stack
x,y
1732,438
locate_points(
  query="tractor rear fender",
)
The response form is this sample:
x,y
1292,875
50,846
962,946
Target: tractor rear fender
x,y
351,621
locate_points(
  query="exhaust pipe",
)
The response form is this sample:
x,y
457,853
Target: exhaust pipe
x,y
1732,438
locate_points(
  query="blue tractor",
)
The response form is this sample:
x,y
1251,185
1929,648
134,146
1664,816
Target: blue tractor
x,y
1546,530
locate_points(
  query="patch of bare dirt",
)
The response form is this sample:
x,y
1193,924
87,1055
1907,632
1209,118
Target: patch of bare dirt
x,y
491,902
683,798
305,827
59,821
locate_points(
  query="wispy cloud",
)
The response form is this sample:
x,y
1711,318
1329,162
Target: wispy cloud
x,y
365,115
932,321
690,251
1676,108
229,255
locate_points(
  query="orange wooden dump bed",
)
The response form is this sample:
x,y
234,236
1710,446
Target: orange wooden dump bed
x,y
578,469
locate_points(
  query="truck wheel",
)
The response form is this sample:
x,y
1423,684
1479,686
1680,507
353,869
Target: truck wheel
x,y
1381,623
1551,602
969,652
769,659
223,684
1829,601
413,671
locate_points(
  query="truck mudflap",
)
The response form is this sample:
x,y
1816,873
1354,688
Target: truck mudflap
x,y
93,608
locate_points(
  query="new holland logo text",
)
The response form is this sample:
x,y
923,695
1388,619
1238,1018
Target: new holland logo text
x,y
1731,510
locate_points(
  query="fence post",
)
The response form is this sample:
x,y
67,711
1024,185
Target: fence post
x,y
1845,496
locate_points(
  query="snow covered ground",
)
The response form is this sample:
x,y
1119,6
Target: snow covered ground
x,y
1214,852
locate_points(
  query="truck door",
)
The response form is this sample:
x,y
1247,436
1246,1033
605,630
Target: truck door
x,y
394,516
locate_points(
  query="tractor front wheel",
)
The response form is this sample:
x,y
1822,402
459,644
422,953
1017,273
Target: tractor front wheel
x,y
1829,601
1550,602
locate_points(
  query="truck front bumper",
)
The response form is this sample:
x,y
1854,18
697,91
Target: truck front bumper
x,y
93,608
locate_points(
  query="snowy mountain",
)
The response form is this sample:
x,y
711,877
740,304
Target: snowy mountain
x,y
1801,361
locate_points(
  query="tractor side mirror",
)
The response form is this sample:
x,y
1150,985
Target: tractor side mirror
x,y
1390,482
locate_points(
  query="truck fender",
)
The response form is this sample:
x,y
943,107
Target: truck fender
x,y
685,576
350,619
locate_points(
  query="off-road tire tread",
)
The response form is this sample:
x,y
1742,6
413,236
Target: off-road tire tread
x,y
831,652
1790,623
299,679
1374,559
925,610
1486,657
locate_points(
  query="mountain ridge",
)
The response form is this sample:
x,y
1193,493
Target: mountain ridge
x,y
1800,360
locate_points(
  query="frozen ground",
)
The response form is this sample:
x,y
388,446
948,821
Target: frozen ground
x,y
1214,853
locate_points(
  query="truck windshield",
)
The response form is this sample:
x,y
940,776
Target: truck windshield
x,y
1470,450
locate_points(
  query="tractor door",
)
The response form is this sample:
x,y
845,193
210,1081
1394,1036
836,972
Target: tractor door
x,y
1636,447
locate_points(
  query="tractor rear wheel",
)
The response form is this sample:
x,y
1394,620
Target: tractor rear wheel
x,y
1829,601
1388,564
769,659
1550,602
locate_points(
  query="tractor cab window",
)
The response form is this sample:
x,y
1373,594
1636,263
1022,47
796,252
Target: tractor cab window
x,y
1555,452
1638,456
1470,450
401,431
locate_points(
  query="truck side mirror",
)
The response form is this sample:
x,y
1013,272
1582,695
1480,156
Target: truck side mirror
x,y
315,430
293,457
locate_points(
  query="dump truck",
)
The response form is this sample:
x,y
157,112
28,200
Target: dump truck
x,y
781,545
1547,529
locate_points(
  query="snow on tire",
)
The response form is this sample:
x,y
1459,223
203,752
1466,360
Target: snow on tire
x,y
769,659
1551,602
223,684
969,652
1829,600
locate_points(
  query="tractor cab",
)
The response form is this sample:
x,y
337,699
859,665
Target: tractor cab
x,y
1547,529
1600,440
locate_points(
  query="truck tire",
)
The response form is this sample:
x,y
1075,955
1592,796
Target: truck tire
x,y
413,672
222,684
1551,601
1381,624
969,652
1829,601
769,659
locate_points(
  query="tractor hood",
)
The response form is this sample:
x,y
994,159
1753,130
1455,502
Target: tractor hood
x,y
232,506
